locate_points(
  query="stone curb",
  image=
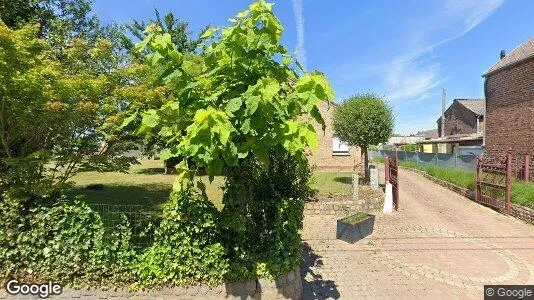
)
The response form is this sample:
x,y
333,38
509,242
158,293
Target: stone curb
x,y
288,286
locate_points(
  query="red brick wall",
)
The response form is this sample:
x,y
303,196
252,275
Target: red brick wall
x,y
510,110
322,159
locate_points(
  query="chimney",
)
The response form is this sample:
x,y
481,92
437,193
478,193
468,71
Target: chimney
x,y
443,98
503,54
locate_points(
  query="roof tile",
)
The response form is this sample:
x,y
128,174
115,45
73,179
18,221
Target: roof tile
x,y
520,53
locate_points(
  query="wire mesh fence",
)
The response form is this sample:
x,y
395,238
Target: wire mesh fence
x,y
142,221
466,162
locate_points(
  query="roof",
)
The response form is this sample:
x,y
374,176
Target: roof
x,y
428,134
474,105
455,138
522,52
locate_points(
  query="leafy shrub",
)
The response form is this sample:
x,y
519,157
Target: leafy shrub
x,y
262,215
63,241
186,248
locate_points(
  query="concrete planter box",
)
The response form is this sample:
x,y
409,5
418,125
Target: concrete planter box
x,y
351,232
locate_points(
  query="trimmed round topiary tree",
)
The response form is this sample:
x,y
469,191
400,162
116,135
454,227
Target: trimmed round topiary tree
x,y
364,120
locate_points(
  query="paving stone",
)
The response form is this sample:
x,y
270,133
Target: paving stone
x,y
438,245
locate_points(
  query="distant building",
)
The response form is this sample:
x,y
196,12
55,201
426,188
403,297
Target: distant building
x,y
428,134
464,116
463,129
509,92
404,140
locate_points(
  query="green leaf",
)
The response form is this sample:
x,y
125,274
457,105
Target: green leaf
x,y
286,60
270,89
150,118
176,56
233,106
251,105
129,120
142,45
166,154
174,74
209,32
224,135
317,116
154,58
245,128
214,169
262,155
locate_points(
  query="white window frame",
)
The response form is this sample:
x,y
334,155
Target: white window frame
x,y
339,148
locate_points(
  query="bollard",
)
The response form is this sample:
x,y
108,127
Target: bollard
x,y
373,173
355,185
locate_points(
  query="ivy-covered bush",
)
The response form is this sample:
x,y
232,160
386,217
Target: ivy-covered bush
x,y
187,247
262,215
63,241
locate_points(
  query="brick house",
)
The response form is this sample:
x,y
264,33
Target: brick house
x,y
463,129
509,92
332,154
464,116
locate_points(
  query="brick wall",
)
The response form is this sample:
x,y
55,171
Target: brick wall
x,y
459,120
510,110
323,159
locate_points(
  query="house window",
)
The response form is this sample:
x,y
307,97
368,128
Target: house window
x,y
339,147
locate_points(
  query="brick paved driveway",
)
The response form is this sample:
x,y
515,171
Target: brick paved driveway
x,y
439,245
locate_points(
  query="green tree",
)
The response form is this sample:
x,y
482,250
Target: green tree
x,y
364,120
178,29
51,112
60,22
239,107
244,102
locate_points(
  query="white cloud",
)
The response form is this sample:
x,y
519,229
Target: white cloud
x,y
299,20
472,12
413,75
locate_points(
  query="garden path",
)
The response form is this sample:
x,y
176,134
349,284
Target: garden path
x,y
438,245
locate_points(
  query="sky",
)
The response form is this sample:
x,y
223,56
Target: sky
x,y
406,51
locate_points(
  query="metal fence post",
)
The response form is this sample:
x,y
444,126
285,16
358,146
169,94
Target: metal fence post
x,y
478,195
527,168
437,163
456,160
508,180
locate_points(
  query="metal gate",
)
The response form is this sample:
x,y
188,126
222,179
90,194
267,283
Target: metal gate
x,y
392,176
494,182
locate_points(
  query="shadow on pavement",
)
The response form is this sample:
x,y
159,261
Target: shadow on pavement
x,y
313,284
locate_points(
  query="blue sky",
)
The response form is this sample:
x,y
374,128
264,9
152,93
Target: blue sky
x,y
404,50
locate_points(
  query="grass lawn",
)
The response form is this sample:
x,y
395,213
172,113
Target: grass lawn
x,y
146,185
523,194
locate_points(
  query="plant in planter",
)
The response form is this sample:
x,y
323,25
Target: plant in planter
x,y
355,227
